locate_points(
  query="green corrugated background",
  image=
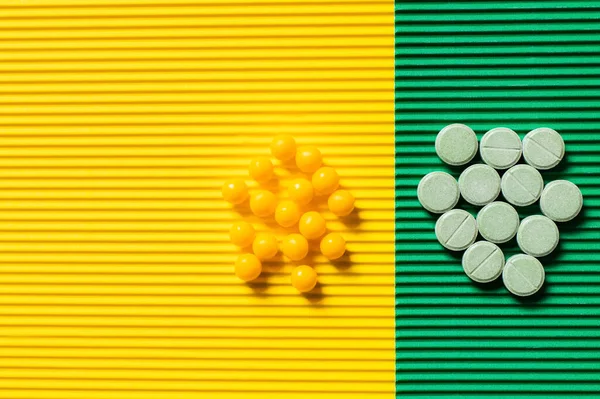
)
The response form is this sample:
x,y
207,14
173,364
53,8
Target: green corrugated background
x,y
522,65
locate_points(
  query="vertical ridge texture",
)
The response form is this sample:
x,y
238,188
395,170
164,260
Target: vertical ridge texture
x,y
119,122
523,65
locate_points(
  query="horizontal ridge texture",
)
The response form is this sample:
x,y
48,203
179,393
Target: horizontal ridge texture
x,y
119,122
519,64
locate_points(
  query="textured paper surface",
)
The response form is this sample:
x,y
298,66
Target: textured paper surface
x,y
119,122
523,65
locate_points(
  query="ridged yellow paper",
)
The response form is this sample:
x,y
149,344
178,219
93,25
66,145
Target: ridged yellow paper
x,y
119,121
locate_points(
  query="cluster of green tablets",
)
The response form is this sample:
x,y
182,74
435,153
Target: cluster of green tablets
x,y
498,222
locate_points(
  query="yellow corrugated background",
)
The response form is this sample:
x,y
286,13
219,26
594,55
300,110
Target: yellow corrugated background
x,y
119,121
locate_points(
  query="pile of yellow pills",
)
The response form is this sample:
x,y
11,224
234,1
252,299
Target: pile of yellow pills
x,y
287,213
341,203
261,169
235,191
315,180
333,246
304,278
242,234
312,225
283,147
295,247
325,180
301,191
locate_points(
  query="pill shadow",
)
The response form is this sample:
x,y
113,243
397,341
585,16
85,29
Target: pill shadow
x,y
288,165
270,268
316,296
353,220
456,170
534,299
245,213
243,209
550,259
570,226
342,263
556,173
274,265
259,286
525,211
272,185
318,204
457,255
491,286
573,225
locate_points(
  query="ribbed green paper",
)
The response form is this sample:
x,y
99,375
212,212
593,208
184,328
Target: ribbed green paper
x,y
521,65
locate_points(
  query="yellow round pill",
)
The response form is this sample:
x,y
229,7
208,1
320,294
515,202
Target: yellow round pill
x,y
261,169
295,247
263,203
242,234
301,191
235,191
325,180
265,246
333,246
341,203
247,267
308,158
287,213
304,278
283,147
312,225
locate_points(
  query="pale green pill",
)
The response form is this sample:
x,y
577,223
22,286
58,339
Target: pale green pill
x,y
456,230
543,148
500,148
438,192
522,185
479,184
523,275
537,236
561,201
456,144
483,262
498,222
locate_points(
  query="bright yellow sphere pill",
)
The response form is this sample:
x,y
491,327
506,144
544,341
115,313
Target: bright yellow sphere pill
x,y
341,203
261,169
283,147
265,246
301,191
333,246
325,180
312,225
247,267
308,158
294,246
304,278
287,213
235,191
242,234
263,203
